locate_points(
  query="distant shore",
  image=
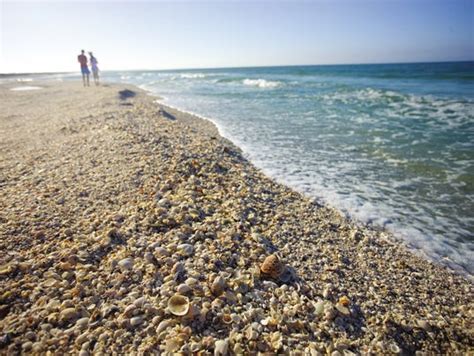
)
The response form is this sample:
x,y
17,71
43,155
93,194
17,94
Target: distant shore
x,y
128,226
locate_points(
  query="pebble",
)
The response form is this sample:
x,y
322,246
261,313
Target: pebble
x,y
218,286
126,264
185,249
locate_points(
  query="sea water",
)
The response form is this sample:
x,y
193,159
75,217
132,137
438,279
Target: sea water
x,y
390,145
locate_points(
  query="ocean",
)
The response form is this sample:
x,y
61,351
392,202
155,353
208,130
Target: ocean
x,y
390,145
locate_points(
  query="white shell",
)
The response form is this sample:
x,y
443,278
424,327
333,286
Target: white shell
x,y
178,305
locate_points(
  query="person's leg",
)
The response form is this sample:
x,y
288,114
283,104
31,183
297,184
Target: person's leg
x,y
83,79
88,79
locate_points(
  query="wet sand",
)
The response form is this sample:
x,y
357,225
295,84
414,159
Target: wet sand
x,y
129,227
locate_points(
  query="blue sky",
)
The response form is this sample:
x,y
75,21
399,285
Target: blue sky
x,y
47,36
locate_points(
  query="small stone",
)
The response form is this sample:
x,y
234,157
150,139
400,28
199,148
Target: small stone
x,y
161,252
218,286
185,249
149,257
30,335
126,264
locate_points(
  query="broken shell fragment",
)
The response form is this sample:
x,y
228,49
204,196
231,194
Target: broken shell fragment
x,y
272,266
178,305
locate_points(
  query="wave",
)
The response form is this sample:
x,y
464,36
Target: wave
x,y
22,80
261,83
192,75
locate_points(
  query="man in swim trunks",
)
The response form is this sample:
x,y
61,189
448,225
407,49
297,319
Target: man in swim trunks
x,y
82,59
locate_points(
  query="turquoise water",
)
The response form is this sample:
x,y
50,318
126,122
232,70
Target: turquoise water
x,y
390,145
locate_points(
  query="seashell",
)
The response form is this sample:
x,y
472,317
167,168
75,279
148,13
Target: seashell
x,y
191,282
183,289
221,347
423,324
226,318
129,310
394,348
276,341
272,266
319,307
343,310
137,320
163,326
218,286
140,302
178,305
68,314
344,301
82,323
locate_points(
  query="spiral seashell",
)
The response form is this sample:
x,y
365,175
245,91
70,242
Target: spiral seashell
x,y
178,305
272,266
344,301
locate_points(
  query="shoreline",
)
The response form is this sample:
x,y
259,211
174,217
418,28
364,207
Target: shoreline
x,y
113,206
397,237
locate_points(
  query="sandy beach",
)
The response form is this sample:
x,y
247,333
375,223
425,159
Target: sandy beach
x,y
128,227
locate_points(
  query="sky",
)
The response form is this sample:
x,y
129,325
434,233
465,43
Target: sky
x,y
37,36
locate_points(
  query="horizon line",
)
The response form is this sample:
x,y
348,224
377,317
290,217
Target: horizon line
x,y
242,67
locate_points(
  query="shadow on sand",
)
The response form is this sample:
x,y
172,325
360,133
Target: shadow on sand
x,y
126,94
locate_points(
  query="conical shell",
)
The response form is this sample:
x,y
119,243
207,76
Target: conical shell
x,y
178,305
272,266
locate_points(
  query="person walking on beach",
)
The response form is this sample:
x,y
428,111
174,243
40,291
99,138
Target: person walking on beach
x,y
82,59
95,69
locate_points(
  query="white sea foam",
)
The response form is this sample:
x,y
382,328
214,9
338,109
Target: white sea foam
x,y
261,83
23,80
192,75
367,151
25,88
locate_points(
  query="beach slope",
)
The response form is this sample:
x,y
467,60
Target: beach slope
x,y
126,226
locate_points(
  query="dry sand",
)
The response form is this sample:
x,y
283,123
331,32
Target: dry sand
x,y
126,227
